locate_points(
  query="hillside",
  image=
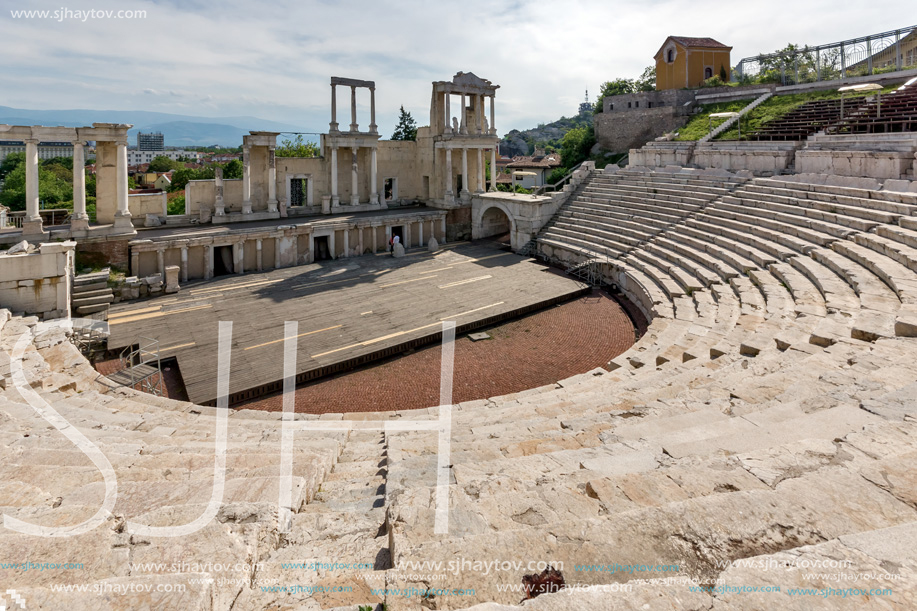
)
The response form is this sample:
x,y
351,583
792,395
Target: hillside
x,y
524,142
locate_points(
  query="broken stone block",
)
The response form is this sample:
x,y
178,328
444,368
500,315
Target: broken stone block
x,y
433,245
152,220
172,278
22,247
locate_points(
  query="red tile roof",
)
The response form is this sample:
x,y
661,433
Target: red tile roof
x,y
551,160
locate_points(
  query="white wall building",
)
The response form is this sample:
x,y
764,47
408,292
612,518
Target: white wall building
x,y
135,157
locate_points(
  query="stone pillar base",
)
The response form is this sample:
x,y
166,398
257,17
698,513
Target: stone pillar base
x,y
32,227
79,224
123,223
272,205
374,198
246,207
335,202
326,204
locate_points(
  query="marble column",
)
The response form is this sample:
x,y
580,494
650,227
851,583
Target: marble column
x,y
271,180
208,262
463,129
238,257
32,223
331,246
161,262
335,200
354,179
353,110
258,257
360,240
135,263
79,220
478,113
493,126
464,171
443,222
372,110
123,213
493,169
448,129
184,263
373,228
219,208
346,242
420,233
407,235
276,253
333,126
447,173
480,181
246,180
373,178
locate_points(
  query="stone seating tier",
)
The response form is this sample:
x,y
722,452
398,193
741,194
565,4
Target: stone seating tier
x,y
773,387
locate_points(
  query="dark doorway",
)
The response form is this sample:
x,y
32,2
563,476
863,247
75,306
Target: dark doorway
x,y
398,230
222,260
299,191
322,252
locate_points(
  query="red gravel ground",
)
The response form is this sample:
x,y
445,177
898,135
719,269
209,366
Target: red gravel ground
x,y
539,349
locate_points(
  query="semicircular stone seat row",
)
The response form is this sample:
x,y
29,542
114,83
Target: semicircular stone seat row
x,y
765,418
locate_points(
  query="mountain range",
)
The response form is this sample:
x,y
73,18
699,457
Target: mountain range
x,y
179,130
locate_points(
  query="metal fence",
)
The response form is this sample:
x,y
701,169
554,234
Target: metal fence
x,y
873,54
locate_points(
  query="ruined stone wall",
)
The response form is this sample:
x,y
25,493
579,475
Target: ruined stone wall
x,y
38,283
621,131
104,252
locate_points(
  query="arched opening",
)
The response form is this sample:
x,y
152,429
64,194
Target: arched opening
x,y
670,56
708,72
495,224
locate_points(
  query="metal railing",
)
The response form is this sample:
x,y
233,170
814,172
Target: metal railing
x,y
876,53
141,366
49,217
560,183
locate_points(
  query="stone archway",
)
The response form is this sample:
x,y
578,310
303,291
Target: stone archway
x,y
493,219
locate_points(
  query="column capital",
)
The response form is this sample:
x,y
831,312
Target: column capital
x,y
78,143
121,142
32,141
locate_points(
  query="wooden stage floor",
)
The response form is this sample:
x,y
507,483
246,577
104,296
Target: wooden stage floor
x,y
349,311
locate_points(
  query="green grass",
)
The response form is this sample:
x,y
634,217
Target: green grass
x,y
779,105
773,108
700,124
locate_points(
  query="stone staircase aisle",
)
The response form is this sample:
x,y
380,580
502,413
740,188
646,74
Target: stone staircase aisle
x,y
91,296
343,529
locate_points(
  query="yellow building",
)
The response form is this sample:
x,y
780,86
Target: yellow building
x,y
688,62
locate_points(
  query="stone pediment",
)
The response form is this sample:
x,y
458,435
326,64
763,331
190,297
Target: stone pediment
x,y
470,82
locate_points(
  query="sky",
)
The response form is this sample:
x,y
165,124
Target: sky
x,y
274,60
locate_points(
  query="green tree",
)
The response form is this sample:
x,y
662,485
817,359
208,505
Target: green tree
x,y
10,163
576,145
53,190
406,128
233,169
298,147
182,176
161,163
647,81
618,86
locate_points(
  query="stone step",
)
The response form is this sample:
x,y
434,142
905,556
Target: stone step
x,y
92,309
78,302
86,287
826,424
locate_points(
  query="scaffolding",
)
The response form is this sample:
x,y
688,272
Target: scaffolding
x,y
90,337
141,367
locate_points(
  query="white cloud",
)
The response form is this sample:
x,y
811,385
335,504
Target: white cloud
x,y
274,60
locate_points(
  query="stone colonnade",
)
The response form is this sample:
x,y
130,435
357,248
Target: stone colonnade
x,y
353,140
291,244
111,141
